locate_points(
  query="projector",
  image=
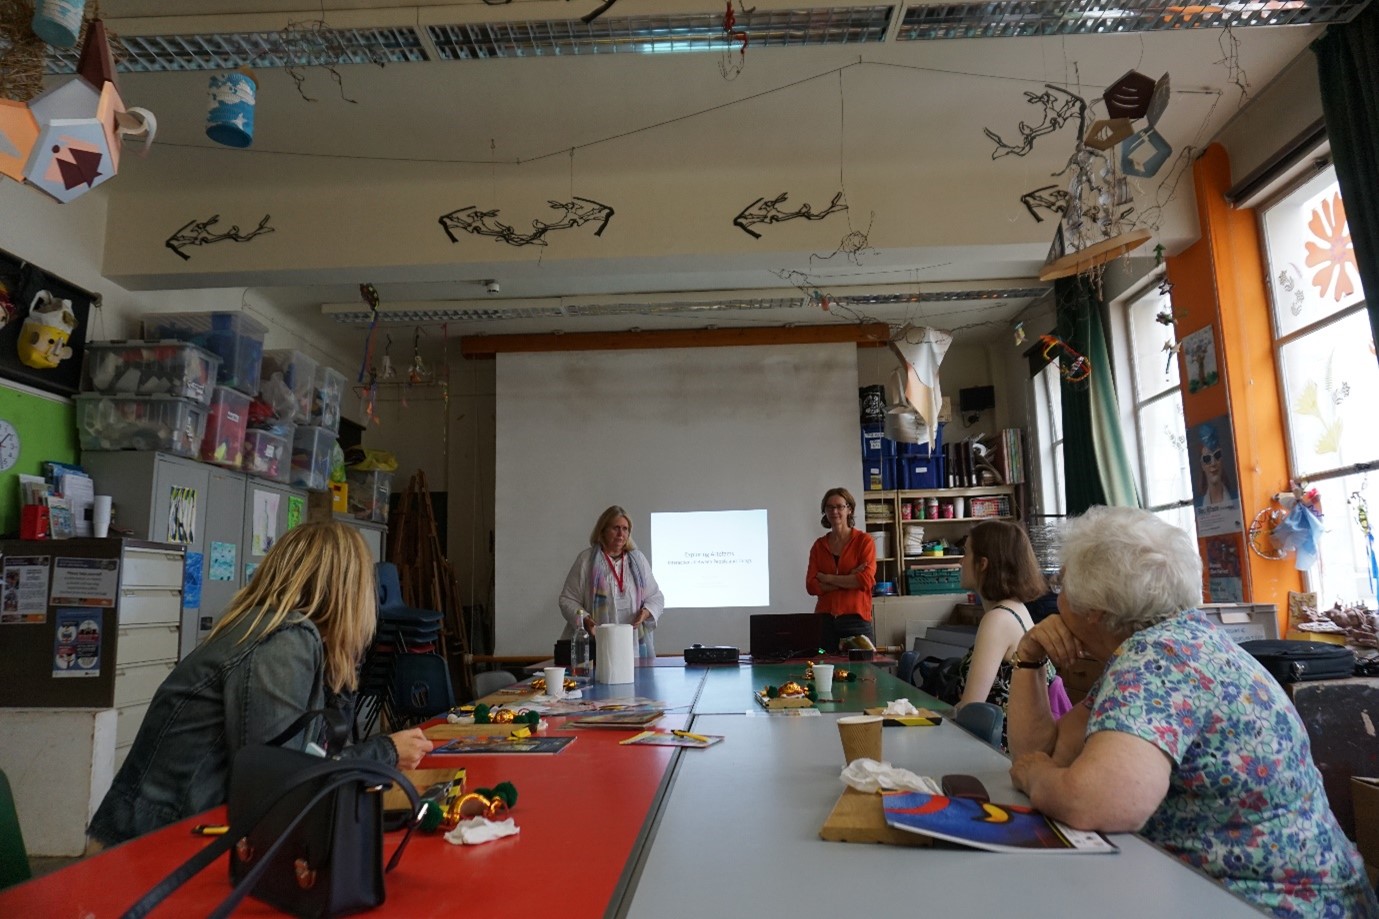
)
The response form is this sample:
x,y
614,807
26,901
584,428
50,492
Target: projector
x,y
713,654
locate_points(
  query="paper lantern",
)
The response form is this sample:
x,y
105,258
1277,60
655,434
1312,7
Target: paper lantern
x,y
58,22
18,132
230,115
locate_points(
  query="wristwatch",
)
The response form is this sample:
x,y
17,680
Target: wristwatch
x,y
1019,664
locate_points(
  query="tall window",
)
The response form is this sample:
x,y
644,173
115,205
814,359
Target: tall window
x,y
1328,377
1048,410
1165,469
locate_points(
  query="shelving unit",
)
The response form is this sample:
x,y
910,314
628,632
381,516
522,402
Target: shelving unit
x,y
885,513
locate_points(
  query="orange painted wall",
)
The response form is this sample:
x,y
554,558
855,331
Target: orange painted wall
x,y
1220,280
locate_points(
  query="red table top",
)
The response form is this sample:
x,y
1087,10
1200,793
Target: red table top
x,y
581,813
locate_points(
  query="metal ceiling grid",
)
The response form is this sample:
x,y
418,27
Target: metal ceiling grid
x,y
660,34
364,316
1024,18
300,47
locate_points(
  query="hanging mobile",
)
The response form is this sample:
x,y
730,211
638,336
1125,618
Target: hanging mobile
x,y
1357,499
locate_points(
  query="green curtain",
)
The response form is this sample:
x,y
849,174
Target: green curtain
x,y
1348,69
1096,469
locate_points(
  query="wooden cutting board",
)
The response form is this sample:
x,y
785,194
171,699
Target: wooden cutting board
x,y
859,817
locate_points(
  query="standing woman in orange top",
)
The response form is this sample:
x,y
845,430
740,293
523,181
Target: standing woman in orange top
x,y
842,572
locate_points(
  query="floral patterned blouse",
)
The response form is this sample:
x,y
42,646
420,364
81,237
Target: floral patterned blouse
x,y
1245,802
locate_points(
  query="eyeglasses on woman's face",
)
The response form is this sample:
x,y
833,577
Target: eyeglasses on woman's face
x,y
836,506
1211,456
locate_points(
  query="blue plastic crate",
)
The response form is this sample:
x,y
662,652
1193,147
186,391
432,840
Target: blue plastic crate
x,y
923,449
872,437
921,472
879,474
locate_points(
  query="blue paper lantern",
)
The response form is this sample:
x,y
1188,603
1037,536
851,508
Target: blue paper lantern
x,y
58,22
230,116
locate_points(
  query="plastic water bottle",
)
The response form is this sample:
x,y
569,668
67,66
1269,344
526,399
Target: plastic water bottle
x,y
581,665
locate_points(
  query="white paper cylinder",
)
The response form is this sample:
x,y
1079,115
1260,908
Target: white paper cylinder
x,y
616,654
100,516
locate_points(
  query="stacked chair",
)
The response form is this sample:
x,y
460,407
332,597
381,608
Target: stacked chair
x,y
403,678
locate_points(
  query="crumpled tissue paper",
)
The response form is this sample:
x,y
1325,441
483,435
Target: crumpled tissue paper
x,y
870,776
477,830
900,708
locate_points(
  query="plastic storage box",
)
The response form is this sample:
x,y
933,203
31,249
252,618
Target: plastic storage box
x,y
268,454
368,495
311,448
226,421
235,337
287,381
329,389
934,579
167,423
150,368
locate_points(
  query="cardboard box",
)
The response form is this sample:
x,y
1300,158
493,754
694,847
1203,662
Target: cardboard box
x,y
1364,799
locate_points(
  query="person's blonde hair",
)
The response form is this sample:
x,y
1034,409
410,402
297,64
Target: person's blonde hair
x,y
325,572
596,537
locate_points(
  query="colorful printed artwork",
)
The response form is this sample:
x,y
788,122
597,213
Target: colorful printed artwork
x,y
1215,495
1199,352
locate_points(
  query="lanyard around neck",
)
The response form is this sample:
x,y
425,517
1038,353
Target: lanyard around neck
x,y
620,571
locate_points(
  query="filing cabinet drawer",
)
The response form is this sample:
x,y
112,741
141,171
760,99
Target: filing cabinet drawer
x,y
150,606
152,568
141,644
138,683
127,721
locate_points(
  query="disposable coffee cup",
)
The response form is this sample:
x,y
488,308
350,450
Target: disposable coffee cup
x,y
100,516
861,736
555,682
823,679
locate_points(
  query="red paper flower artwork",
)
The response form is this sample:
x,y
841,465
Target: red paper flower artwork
x,y
1335,254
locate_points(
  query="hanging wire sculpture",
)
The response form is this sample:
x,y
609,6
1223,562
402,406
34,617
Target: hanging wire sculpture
x,y
313,43
1072,366
763,211
369,294
1047,197
198,233
730,65
1059,108
578,212
852,245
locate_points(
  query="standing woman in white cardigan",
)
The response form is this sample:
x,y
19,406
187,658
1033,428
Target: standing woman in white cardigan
x,y
612,582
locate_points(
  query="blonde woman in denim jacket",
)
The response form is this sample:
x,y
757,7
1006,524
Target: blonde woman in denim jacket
x,y
294,634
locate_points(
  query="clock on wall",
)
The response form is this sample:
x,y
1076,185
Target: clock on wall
x,y
9,446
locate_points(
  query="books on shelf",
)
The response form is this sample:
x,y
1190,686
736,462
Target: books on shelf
x,y
983,825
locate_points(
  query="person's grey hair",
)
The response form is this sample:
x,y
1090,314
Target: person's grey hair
x,y
596,537
1134,567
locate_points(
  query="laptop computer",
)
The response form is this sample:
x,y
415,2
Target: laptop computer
x,y
781,636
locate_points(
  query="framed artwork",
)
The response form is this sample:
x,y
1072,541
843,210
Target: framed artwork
x,y
44,320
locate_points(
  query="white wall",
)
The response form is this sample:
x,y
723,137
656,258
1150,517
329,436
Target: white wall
x,y
69,241
678,429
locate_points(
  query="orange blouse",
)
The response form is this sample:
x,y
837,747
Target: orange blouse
x,y
860,550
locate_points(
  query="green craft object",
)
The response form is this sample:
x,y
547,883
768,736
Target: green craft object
x,y
430,816
772,692
481,713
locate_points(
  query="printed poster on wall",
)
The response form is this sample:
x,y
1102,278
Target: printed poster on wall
x,y
182,516
85,581
1215,495
249,569
1224,583
295,506
265,523
1199,354
223,561
24,597
191,581
77,643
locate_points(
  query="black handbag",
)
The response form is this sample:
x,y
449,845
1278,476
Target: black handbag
x,y
305,836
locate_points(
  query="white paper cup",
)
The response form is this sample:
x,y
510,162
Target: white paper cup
x,y
100,516
555,682
823,679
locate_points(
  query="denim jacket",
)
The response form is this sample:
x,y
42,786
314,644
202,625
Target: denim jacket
x,y
224,695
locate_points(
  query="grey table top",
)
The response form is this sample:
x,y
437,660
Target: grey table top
x,y
738,836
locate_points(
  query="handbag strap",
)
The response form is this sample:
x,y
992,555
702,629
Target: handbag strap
x,y
335,722
341,772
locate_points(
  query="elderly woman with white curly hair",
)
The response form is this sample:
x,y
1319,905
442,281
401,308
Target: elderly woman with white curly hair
x,y
1184,738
